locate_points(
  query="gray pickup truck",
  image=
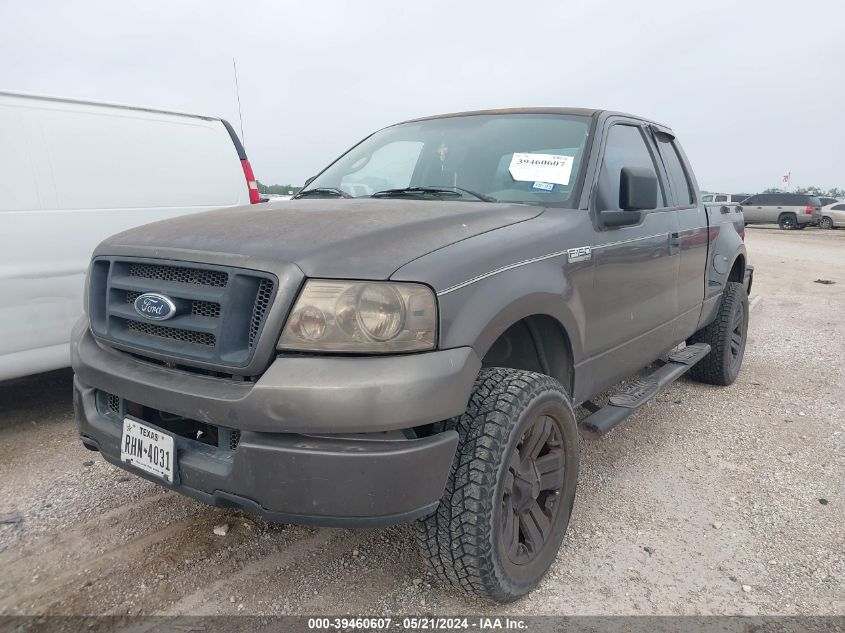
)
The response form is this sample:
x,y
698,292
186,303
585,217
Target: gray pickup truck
x,y
408,338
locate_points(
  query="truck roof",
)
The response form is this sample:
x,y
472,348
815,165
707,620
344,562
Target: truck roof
x,y
122,106
540,110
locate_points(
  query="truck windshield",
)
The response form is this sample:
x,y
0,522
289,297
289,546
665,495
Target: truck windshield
x,y
526,158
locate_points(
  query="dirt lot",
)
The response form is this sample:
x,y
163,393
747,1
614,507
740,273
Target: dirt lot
x,y
708,501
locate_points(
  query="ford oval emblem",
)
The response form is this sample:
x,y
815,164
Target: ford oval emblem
x,y
155,306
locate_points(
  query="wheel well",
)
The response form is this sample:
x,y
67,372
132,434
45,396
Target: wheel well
x,y
738,271
535,343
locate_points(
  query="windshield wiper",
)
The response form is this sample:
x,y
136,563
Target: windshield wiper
x,y
410,191
331,191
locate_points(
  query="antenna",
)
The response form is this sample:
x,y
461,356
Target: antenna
x,y
238,94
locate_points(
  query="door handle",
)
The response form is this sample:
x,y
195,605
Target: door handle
x,y
674,243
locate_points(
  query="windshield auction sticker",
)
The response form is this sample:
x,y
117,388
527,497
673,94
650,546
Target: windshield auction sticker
x,y
549,168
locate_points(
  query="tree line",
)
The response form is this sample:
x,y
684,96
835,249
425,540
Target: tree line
x,y
833,192
277,189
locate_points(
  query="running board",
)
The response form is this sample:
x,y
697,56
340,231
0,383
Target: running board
x,y
625,402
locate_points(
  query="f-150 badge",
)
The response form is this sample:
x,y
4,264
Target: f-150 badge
x,y
579,254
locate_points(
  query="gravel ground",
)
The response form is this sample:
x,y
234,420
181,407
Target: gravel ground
x,y
708,501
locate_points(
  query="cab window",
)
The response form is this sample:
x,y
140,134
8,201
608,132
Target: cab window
x,y
678,181
625,147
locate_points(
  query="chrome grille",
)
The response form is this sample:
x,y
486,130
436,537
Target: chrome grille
x,y
188,336
262,302
178,274
219,311
206,309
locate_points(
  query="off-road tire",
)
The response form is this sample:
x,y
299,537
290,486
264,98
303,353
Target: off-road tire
x,y
721,366
825,223
787,221
462,541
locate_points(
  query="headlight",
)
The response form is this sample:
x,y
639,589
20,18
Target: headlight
x,y
366,317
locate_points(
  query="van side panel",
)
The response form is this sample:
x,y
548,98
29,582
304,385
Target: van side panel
x,y
72,174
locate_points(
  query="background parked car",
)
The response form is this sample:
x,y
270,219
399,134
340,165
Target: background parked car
x,y
732,198
73,173
787,210
833,216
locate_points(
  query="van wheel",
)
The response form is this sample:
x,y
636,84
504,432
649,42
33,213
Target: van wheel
x,y
511,488
825,223
787,221
726,336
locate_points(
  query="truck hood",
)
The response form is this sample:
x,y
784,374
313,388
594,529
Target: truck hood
x,y
342,239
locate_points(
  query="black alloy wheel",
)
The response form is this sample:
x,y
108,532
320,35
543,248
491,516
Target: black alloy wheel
x,y
531,490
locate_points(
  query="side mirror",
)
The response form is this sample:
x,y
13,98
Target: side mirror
x,y
637,192
309,181
637,189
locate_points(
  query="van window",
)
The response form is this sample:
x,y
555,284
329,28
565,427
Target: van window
x,y
18,191
677,176
721,199
625,148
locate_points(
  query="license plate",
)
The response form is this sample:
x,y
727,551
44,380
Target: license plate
x,y
147,448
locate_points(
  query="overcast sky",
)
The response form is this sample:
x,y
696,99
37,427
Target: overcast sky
x,y
752,89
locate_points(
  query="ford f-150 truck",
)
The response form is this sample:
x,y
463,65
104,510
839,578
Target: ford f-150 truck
x,y
408,338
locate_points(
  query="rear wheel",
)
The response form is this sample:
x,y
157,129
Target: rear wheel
x,y
787,221
726,336
825,223
511,488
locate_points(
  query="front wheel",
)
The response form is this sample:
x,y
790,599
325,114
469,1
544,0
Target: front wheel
x,y
726,336
511,488
825,223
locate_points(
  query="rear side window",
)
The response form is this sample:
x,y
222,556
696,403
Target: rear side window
x,y
677,176
721,199
839,207
785,200
625,148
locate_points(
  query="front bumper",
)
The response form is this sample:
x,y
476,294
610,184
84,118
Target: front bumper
x,y
297,394
287,466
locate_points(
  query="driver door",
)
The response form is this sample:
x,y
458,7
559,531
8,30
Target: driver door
x,y
634,300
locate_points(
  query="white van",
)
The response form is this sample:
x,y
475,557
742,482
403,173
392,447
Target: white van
x,y
730,198
71,174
